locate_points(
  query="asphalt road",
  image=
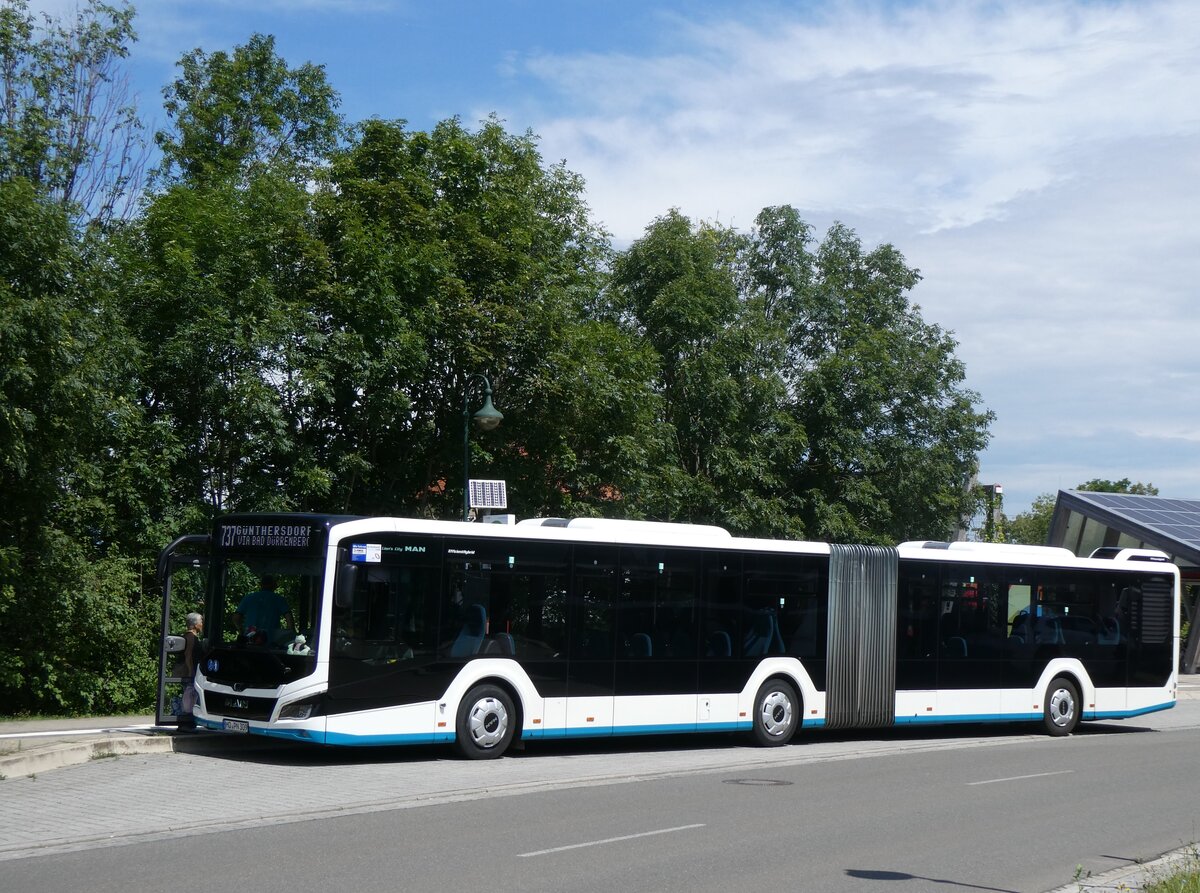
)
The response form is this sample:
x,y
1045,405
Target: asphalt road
x,y
960,809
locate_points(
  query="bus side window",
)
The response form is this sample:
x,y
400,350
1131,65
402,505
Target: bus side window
x,y
722,605
591,604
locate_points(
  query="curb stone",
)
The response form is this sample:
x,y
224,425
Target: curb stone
x,y
29,759
1132,878
23,757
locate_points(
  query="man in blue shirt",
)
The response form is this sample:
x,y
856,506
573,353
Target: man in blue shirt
x,y
258,614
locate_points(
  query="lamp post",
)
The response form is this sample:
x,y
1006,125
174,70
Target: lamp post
x,y
486,419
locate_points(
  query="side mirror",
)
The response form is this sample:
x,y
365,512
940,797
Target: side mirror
x,y
347,582
173,644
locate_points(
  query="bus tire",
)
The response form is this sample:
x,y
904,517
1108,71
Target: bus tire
x,y
776,713
486,723
1061,715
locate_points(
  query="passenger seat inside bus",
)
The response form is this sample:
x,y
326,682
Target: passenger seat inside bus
x,y
640,645
470,637
763,637
501,644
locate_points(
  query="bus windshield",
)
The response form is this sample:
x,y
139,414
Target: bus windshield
x,y
267,603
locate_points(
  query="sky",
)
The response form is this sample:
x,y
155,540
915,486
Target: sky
x,y
1038,162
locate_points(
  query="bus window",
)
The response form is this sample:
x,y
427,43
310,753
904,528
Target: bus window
x,y
792,591
391,615
1018,597
295,581
528,602
592,597
1069,604
721,625
918,613
656,606
971,623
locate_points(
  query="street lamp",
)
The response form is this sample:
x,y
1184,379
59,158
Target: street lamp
x,y
486,419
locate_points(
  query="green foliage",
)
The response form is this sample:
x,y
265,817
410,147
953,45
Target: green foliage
x,y
79,634
219,281
1032,527
717,356
296,318
234,116
1178,873
69,428
803,392
457,252
892,433
1124,485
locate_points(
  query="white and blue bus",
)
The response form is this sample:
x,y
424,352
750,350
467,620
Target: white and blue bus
x,y
403,631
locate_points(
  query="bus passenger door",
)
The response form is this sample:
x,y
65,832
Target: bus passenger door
x,y
971,643
184,581
591,641
656,641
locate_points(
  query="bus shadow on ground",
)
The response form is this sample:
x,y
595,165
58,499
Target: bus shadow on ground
x,y
255,749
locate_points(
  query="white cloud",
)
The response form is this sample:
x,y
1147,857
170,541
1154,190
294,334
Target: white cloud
x,y
945,111
1039,163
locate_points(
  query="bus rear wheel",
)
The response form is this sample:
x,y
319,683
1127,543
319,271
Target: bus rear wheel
x,y
1061,715
776,713
486,720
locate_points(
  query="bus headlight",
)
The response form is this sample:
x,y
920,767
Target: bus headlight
x,y
299,709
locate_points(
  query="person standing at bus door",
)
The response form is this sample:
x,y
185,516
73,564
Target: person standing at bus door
x,y
191,656
259,613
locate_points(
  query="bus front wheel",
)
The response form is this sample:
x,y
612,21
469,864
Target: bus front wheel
x,y
1061,715
776,713
486,720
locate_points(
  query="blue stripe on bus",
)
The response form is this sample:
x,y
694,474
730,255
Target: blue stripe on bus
x,y
934,719
292,734
1126,714
369,740
663,729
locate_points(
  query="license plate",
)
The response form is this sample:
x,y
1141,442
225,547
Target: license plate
x,y
235,725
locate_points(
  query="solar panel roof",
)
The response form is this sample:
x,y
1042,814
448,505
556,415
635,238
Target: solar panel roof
x,y
1172,525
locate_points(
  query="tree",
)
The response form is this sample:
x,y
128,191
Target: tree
x,y
457,252
717,358
71,445
1032,527
222,272
891,433
234,116
803,392
1124,485
219,285
67,122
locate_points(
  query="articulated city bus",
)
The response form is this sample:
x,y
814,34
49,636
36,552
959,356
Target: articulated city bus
x,y
393,631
